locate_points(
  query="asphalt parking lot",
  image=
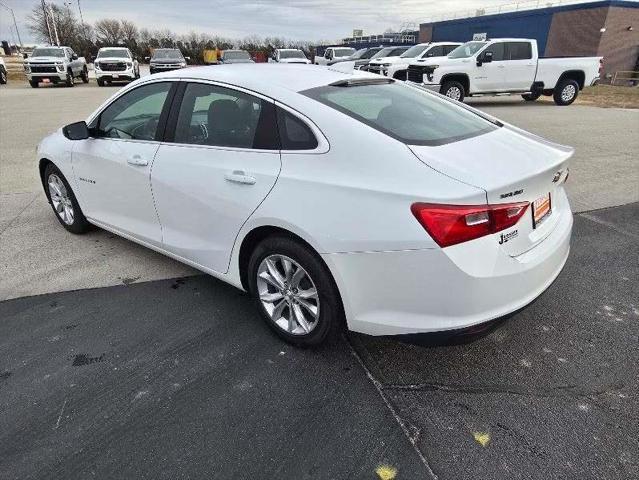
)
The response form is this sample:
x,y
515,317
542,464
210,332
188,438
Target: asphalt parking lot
x,y
116,362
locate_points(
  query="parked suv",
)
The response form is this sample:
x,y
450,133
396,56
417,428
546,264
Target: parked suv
x,y
374,64
235,56
165,59
55,65
333,53
360,57
114,64
396,67
288,55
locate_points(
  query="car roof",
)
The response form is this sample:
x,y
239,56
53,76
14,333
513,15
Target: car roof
x,y
114,48
270,79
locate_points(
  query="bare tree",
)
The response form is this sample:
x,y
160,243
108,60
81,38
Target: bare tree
x,y
65,21
108,31
129,34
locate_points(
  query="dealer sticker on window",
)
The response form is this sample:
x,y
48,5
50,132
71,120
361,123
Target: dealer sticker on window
x,y
541,209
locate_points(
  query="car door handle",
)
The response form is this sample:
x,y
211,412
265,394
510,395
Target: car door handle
x,y
239,176
138,161
501,66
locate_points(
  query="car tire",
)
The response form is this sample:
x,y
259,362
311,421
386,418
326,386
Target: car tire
x,y
453,89
85,75
3,76
69,80
63,201
400,75
531,97
565,92
34,83
288,295
100,82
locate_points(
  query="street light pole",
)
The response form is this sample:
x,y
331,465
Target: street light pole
x,y
46,19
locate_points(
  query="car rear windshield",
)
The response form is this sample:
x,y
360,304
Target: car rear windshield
x,y
48,52
344,52
408,114
114,53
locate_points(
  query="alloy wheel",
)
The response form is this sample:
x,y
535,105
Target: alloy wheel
x,y
454,93
288,294
60,199
568,92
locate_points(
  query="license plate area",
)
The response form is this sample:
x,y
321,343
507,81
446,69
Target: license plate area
x,y
46,80
541,210
115,75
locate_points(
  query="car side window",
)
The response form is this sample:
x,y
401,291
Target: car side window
x,y
294,133
136,114
449,48
518,51
437,51
498,51
222,117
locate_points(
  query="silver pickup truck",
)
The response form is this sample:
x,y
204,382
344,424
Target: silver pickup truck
x,y
55,65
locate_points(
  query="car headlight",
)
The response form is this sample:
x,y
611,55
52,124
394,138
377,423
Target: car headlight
x,y
60,67
129,65
182,64
434,66
96,66
386,65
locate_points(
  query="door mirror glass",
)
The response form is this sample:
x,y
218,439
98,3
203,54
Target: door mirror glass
x,y
487,57
76,131
188,59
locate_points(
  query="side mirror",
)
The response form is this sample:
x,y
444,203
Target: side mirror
x,y
188,59
76,131
74,57
486,57
25,56
146,59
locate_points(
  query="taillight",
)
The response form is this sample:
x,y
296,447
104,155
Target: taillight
x,y
453,224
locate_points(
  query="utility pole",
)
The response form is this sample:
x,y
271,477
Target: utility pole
x,y
46,19
15,24
80,9
55,27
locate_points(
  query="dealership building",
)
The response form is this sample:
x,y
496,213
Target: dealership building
x,y
609,29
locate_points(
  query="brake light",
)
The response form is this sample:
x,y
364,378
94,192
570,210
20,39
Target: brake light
x,y
453,224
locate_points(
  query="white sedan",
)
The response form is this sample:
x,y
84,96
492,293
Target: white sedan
x,y
332,198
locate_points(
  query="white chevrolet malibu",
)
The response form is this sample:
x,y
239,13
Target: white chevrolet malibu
x,y
332,198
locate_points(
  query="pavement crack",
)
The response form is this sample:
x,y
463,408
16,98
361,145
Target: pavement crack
x,y
412,436
573,391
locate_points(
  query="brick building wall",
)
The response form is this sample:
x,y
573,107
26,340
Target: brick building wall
x,y
620,46
576,32
425,33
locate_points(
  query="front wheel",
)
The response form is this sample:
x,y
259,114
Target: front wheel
x,y
85,75
34,83
294,291
454,90
69,81
63,201
3,76
100,82
566,92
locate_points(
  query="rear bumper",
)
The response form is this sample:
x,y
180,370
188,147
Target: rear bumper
x,y
434,290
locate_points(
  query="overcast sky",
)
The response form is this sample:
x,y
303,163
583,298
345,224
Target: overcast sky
x,y
294,19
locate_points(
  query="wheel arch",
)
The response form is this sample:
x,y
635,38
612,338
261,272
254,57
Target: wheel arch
x,y
578,76
43,163
457,77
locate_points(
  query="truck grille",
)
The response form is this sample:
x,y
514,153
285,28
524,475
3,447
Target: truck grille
x,y
43,68
112,67
415,73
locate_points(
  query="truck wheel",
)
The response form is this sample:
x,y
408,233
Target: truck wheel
x,y
34,83
454,90
100,82
531,97
566,92
3,77
85,75
69,80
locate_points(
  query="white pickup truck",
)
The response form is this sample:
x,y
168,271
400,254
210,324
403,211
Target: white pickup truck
x,y
55,65
506,66
333,53
115,64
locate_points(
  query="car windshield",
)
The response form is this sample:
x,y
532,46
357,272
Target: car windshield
x,y
413,52
466,50
171,53
237,55
408,114
369,53
113,53
344,52
383,52
48,52
292,54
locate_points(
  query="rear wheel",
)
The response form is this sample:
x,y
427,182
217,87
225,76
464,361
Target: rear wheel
x,y
454,90
531,97
294,291
34,83
63,201
85,75
566,92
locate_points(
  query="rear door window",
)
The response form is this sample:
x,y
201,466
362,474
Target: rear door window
x,y
498,51
518,51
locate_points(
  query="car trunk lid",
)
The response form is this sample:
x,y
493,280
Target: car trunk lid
x,y
511,166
